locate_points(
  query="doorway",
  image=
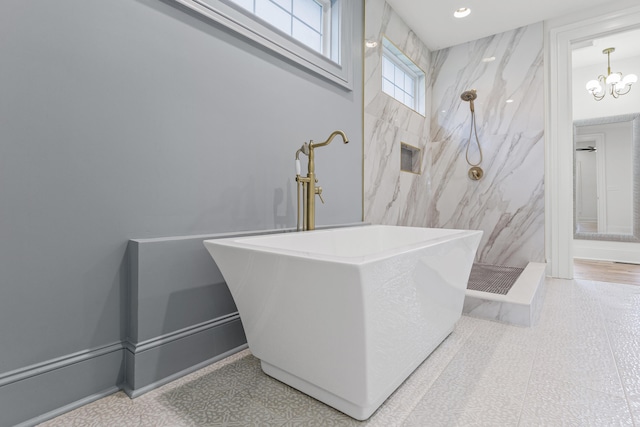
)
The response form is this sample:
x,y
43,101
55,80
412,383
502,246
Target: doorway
x,y
559,176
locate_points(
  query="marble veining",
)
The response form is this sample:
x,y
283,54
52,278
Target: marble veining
x,y
508,203
391,196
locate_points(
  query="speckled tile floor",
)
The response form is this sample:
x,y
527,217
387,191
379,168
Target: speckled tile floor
x,y
579,366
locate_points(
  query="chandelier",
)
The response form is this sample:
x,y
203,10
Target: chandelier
x,y
613,83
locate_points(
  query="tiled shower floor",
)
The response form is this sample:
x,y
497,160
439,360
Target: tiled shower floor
x,y
494,279
579,365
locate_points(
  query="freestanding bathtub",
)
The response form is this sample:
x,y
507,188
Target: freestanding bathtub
x,y
345,315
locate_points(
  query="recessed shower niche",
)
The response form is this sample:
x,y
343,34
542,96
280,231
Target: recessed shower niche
x,y
410,158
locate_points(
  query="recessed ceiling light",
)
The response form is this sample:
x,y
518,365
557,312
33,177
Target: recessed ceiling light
x,y
489,59
462,12
371,43
509,101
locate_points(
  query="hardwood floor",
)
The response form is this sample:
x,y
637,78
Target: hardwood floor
x,y
606,271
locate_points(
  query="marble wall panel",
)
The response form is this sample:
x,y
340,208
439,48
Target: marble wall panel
x,y
508,202
390,195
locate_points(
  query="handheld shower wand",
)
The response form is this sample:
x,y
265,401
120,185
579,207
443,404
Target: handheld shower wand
x,y
469,96
304,150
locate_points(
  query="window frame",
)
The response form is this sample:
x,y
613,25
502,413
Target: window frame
x,y
247,24
393,54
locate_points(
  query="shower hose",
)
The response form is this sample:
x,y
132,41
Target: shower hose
x,y
473,131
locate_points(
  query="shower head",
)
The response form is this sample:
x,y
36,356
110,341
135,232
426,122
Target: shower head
x,y
469,95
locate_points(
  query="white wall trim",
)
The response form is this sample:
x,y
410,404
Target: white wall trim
x,y
559,129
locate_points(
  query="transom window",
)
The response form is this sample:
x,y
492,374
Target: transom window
x,y
401,78
316,34
315,23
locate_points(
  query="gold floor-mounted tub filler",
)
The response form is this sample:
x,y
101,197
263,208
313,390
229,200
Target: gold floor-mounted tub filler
x,y
308,183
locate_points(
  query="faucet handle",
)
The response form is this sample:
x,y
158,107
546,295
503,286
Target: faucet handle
x,y
319,193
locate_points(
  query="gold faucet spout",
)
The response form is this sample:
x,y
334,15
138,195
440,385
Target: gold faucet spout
x,y
328,141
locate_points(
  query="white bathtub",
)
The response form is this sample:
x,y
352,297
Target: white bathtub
x,y
345,315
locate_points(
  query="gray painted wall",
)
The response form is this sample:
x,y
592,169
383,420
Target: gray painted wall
x,y
127,119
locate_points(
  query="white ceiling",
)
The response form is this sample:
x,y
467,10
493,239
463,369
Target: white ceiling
x,y
433,21
627,45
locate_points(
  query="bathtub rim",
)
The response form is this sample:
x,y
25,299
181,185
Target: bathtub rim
x,y
243,242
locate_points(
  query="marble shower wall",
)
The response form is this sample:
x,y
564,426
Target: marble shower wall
x,y
391,196
508,203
